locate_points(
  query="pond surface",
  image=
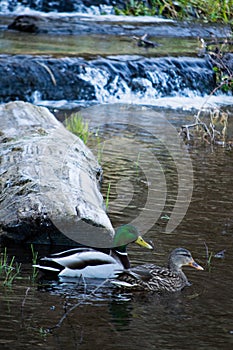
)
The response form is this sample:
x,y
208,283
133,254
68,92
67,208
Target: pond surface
x,y
88,46
201,316
155,181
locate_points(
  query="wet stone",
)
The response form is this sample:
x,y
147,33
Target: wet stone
x,y
49,189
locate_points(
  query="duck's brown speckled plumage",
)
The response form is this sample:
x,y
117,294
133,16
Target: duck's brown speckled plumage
x,y
150,277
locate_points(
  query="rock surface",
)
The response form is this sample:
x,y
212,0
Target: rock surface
x,y
81,25
49,181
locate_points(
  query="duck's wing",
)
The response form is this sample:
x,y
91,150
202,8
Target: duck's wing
x,y
70,252
164,280
168,281
149,277
133,278
141,272
76,259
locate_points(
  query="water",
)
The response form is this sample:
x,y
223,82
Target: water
x,y
92,45
156,81
144,167
93,51
198,317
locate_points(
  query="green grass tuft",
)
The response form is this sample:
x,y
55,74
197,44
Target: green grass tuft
x,y
9,270
34,262
78,126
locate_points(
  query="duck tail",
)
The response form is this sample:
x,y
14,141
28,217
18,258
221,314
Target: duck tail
x,y
46,268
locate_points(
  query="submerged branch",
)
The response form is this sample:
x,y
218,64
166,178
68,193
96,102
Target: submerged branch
x,y
67,313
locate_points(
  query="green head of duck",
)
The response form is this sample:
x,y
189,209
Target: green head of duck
x,y
126,234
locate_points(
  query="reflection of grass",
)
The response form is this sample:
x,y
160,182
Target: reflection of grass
x,y
78,126
9,270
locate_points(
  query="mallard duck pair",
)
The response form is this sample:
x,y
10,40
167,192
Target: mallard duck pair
x,y
153,278
92,263
114,264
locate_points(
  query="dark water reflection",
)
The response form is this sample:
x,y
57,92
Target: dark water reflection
x,y
200,317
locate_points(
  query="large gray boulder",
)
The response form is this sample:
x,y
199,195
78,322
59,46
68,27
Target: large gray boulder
x,y
49,184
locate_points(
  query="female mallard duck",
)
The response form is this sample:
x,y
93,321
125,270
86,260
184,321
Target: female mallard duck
x,y
92,263
150,277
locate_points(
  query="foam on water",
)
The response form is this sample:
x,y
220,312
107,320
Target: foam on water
x,y
99,13
185,103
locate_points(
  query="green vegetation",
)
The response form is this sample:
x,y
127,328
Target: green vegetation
x,y
34,262
78,126
218,50
107,196
210,126
96,139
9,270
209,11
138,8
224,78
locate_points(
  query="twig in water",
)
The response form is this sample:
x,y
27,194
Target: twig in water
x,y
24,299
23,302
49,71
207,250
66,314
213,133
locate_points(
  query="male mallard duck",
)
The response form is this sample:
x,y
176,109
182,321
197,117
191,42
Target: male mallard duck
x,y
150,277
92,263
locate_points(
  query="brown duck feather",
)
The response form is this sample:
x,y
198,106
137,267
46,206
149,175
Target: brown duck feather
x,y
150,277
